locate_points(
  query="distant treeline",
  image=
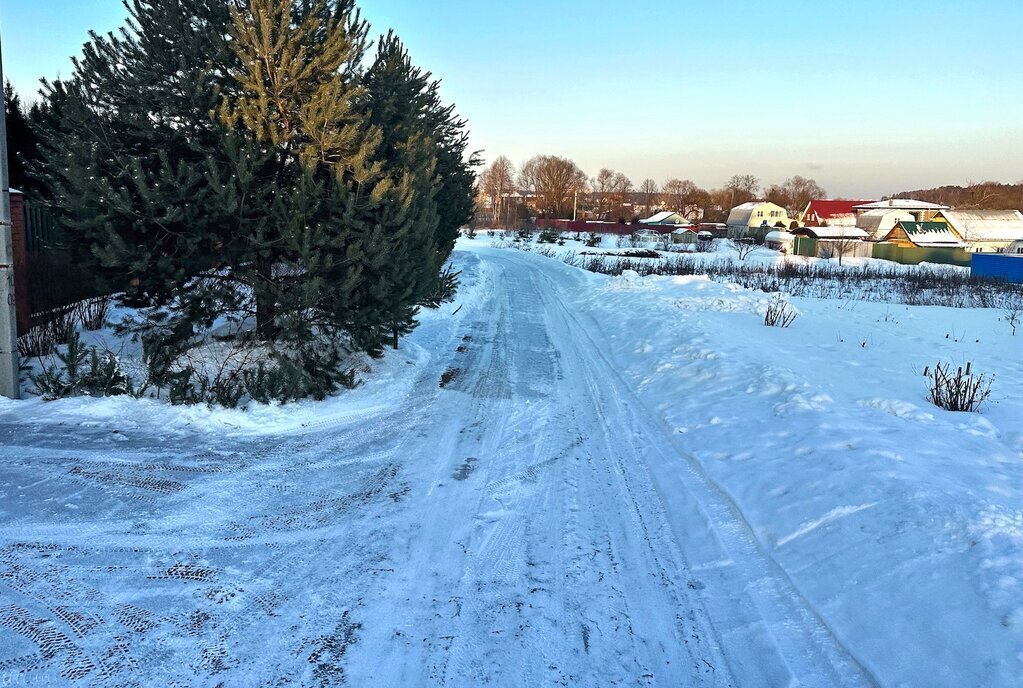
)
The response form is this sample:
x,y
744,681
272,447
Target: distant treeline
x,y
988,195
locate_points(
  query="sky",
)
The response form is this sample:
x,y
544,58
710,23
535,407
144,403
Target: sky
x,y
869,97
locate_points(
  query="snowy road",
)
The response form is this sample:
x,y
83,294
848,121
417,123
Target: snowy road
x,y
528,522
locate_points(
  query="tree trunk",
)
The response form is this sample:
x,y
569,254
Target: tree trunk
x,y
266,307
395,329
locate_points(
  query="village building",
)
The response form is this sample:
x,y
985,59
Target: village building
x,y
985,231
837,233
827,213
666,217
756,219
922,211
877,223
923,235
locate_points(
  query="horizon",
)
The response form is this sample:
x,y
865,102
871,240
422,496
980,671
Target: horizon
x,y
612,93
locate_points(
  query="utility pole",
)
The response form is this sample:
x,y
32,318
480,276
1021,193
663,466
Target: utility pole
x,y
10,384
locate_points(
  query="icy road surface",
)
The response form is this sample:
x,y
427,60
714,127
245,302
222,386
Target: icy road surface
x,y
529,522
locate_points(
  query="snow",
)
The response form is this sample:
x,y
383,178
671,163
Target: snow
x,y
902,204
627,481
986,225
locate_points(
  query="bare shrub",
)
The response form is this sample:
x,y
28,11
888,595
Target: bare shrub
x,y
743,246
1014,316
42,340
957,390
780,312
93,313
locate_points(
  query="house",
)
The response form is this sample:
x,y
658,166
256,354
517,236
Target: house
x,y
836,233
922,211
831,242
666,217
685,236
757,218
923,235
877,223
986,231
827,213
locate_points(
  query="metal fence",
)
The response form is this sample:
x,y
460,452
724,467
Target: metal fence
x,y
41,230
998,266
49,279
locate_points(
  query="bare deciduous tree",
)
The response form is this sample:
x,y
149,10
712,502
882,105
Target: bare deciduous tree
x,y
554,180
684,197
743,188
841,247
649,189
797,192
496,183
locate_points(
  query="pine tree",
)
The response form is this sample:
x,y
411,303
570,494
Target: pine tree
x,y
221,158
22,142
128,145
300,97
397,100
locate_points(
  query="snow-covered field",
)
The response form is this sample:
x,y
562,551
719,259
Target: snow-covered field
x,y
622,481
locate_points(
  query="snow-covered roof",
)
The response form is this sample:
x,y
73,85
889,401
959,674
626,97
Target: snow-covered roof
x,y
986,225
683,230
902,204
929,234
836,232
879,222
779,236
741,214
665,216
659,217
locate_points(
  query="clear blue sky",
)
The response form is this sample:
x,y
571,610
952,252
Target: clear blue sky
x,y
867,96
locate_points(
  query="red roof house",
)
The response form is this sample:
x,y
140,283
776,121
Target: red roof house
x,y
821,213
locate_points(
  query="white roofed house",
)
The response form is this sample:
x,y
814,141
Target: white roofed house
x,y
839,241
986,231
666,217
922,211
877,223
756,219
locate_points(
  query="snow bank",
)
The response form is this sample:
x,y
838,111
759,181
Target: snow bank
x,y
383,382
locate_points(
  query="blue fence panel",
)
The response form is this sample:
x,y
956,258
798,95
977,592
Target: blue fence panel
x,y
1001,266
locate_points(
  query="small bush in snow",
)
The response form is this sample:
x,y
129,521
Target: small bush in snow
x,y
780,313
1014,316
592,240
93,313
81,371
42,340
548,236
743,247
957,390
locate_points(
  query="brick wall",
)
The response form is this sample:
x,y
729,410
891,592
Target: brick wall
x,y
18,241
